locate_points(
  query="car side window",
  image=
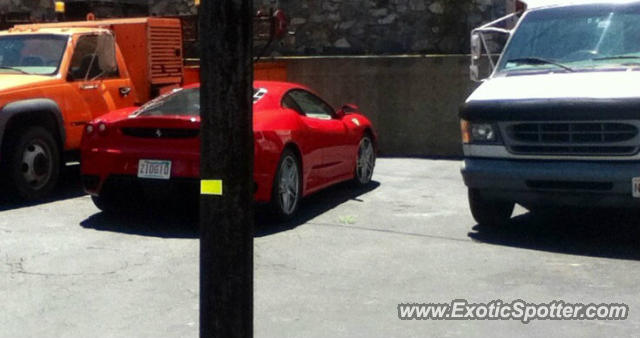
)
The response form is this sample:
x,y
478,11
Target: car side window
x,y
289,103
94,57
311,105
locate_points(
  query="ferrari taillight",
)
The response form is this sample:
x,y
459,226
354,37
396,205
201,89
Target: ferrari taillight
x,y
89,129
102,128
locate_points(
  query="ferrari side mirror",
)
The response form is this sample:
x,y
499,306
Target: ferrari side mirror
x,y
350,108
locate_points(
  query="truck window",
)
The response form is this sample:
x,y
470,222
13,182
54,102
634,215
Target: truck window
x,y
94,57
581,37
32,54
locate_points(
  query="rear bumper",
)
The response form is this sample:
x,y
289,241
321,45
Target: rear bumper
x,y
119,168
175,189
554,183
99,164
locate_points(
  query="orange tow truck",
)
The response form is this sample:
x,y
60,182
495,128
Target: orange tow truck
x,y
56,77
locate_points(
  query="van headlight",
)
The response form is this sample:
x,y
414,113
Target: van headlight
x,y
479,132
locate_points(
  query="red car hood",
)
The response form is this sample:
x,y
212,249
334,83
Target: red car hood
x,y
180,122
124,118
116,115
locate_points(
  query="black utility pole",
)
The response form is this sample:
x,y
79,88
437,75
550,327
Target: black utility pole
x,y
226,211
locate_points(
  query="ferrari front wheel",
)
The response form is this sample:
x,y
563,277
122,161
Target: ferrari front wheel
x,y
287,186
365,161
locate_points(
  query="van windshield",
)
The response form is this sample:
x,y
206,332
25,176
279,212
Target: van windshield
x,y
32,54
575,38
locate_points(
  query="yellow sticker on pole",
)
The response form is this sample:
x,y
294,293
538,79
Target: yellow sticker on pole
x,y
59,7
211,187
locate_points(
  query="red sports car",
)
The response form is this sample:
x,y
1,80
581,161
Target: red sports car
x,y
302,145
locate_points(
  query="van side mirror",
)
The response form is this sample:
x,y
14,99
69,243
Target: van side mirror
x,y
476,46
476,53
489,40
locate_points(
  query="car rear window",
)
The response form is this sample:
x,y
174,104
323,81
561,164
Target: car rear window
x,y
181,102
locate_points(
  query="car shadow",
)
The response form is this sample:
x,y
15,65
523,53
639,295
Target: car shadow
x,y
598,233
180,223
153,223
311,207
69,186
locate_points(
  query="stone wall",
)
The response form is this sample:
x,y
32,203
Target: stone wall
x,y
334,27
36,9
339,27
173,7
330,27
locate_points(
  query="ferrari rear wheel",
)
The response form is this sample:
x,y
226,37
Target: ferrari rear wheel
x,y
287,186
112,201
106,204
365,162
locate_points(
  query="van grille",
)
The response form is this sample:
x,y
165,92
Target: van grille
x,y
572,138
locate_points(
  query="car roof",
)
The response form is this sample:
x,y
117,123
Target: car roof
x,y
273,86
533,4
277,89
278,86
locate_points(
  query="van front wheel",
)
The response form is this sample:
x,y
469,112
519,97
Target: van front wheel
x,y
487,212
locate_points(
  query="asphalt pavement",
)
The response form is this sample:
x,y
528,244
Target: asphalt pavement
x,y
339,269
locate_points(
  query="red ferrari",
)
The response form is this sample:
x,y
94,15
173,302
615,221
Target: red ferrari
x,y
302,145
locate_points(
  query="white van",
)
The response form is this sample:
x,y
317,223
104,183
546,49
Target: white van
x,y
557,121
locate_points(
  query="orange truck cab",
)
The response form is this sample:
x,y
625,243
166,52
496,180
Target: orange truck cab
x,y
54,78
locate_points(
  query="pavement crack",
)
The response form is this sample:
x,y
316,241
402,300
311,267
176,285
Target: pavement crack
x,y
101,248
15,267
413,234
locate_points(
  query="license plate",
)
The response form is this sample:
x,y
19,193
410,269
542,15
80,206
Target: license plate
x,y
154,169
635,186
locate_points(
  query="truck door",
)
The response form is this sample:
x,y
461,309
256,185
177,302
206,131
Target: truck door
x,y
97,77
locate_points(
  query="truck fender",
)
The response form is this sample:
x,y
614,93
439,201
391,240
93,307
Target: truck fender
x,y
17,108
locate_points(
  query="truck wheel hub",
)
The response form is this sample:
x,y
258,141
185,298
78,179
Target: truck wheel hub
x,y
36,165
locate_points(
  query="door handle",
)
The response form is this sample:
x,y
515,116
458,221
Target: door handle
x,y
125,91
88,86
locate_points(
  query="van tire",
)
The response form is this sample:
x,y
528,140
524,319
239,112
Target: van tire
x,y
489,213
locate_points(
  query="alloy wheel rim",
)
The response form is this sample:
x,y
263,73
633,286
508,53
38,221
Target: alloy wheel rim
x,y
366,161
288,187
36,165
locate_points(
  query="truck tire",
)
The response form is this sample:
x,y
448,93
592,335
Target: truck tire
x,y
489,213
33,163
